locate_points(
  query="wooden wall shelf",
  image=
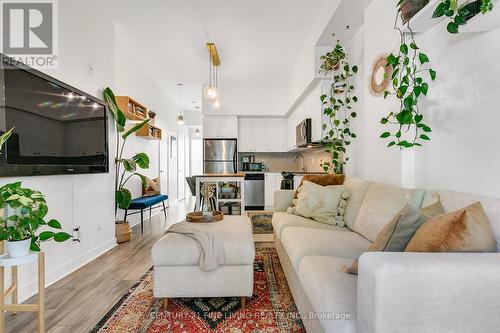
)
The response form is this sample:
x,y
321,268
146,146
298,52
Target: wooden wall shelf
x,y
134,110
150,132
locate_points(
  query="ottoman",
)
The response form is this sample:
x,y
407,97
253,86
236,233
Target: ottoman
x,y
176,272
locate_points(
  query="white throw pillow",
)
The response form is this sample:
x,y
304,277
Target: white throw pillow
x,y
324,204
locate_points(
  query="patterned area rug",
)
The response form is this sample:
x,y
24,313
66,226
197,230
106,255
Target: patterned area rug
x,y
261,222
270,310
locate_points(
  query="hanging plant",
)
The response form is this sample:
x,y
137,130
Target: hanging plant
x,y
408,81
461,14
337,106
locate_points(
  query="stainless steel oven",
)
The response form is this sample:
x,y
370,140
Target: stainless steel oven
x,y
254,191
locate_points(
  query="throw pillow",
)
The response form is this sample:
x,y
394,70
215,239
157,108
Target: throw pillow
x,y
152,187
324,204
322,179
465,230
396,235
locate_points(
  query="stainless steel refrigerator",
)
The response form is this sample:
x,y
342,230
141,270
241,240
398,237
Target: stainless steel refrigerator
x,y
220,156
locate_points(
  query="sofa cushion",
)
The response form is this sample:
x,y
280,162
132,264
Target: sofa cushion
x,y
396,235
452,201
330,291
300,242
357,188
465,230
282,220
326,179
322,203
380,204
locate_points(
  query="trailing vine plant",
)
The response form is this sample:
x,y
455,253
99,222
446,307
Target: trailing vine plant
x,y
460,14
337,106
410,68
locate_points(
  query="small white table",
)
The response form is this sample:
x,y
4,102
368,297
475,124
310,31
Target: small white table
x,y
6,261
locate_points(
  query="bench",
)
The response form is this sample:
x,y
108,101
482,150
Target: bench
x,y
144,203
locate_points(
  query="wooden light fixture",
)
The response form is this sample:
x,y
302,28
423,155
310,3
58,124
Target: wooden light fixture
x,y
214,55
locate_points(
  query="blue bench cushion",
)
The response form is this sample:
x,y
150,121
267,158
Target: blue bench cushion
x,y
146,202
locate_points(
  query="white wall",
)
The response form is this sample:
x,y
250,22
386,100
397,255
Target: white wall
x,y
462,109
87,40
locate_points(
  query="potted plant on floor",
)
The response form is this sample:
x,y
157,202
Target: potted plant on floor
x,y
125,168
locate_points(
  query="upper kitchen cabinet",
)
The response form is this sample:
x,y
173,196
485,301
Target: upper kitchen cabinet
x,y
220,127
262,135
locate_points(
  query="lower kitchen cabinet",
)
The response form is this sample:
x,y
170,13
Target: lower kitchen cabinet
x,y
270,188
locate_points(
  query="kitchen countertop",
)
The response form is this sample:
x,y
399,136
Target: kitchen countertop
x,y
221,175
294,172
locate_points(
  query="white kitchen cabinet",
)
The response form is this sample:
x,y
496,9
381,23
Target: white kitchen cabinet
x,y
262,135
270,188
220,127
276,135
228,127
245,136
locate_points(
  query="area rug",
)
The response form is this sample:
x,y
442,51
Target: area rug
x,y
261,222
271,309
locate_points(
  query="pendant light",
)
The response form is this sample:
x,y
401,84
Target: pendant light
x,y
197,132
180,116
216,84
210,91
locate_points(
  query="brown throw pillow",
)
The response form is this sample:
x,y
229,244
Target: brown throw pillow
x,y
396,234
323,180
465,230
152,187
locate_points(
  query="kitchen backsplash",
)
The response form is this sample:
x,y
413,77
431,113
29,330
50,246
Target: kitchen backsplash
x,y
277,162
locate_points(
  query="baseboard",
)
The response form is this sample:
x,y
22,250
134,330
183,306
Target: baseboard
x,y
30,289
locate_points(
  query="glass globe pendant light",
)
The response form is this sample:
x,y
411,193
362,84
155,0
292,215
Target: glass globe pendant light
x,y
180,116
210,91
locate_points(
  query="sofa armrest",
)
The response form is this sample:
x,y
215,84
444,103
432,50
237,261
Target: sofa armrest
x,y
428,292
283,199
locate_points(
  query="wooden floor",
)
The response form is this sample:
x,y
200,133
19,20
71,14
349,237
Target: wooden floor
x,y
77,302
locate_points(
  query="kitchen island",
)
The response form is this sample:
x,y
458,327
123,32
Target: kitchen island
x,y
227,192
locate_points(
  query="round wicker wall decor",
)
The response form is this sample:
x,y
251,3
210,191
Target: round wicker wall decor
x,y
380,76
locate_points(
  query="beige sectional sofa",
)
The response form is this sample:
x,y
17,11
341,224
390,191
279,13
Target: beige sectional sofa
x,y
394,292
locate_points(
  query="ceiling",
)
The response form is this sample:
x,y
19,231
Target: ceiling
x,y
259,43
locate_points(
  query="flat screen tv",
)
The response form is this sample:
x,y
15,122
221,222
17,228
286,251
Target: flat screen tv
x,y
57,128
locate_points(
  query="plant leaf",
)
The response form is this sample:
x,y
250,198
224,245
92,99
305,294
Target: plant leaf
x,y
46,235
123,198
54,224
423,58
385,135
134,128
142,160
61,237
433,74
109,98
4,137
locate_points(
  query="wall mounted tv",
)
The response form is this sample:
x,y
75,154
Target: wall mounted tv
x,y
58,129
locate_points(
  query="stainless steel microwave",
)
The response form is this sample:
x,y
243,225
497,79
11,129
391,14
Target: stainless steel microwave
x,y
303,133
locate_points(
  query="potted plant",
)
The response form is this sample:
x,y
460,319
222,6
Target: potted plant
x,y
410,8
460,12
125,168
338,107
20,229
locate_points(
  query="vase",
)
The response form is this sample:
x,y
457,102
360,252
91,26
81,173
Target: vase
x,y
123,233
410,8
17,249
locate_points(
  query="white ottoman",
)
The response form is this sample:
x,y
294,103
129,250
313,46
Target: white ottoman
x,y
176,272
